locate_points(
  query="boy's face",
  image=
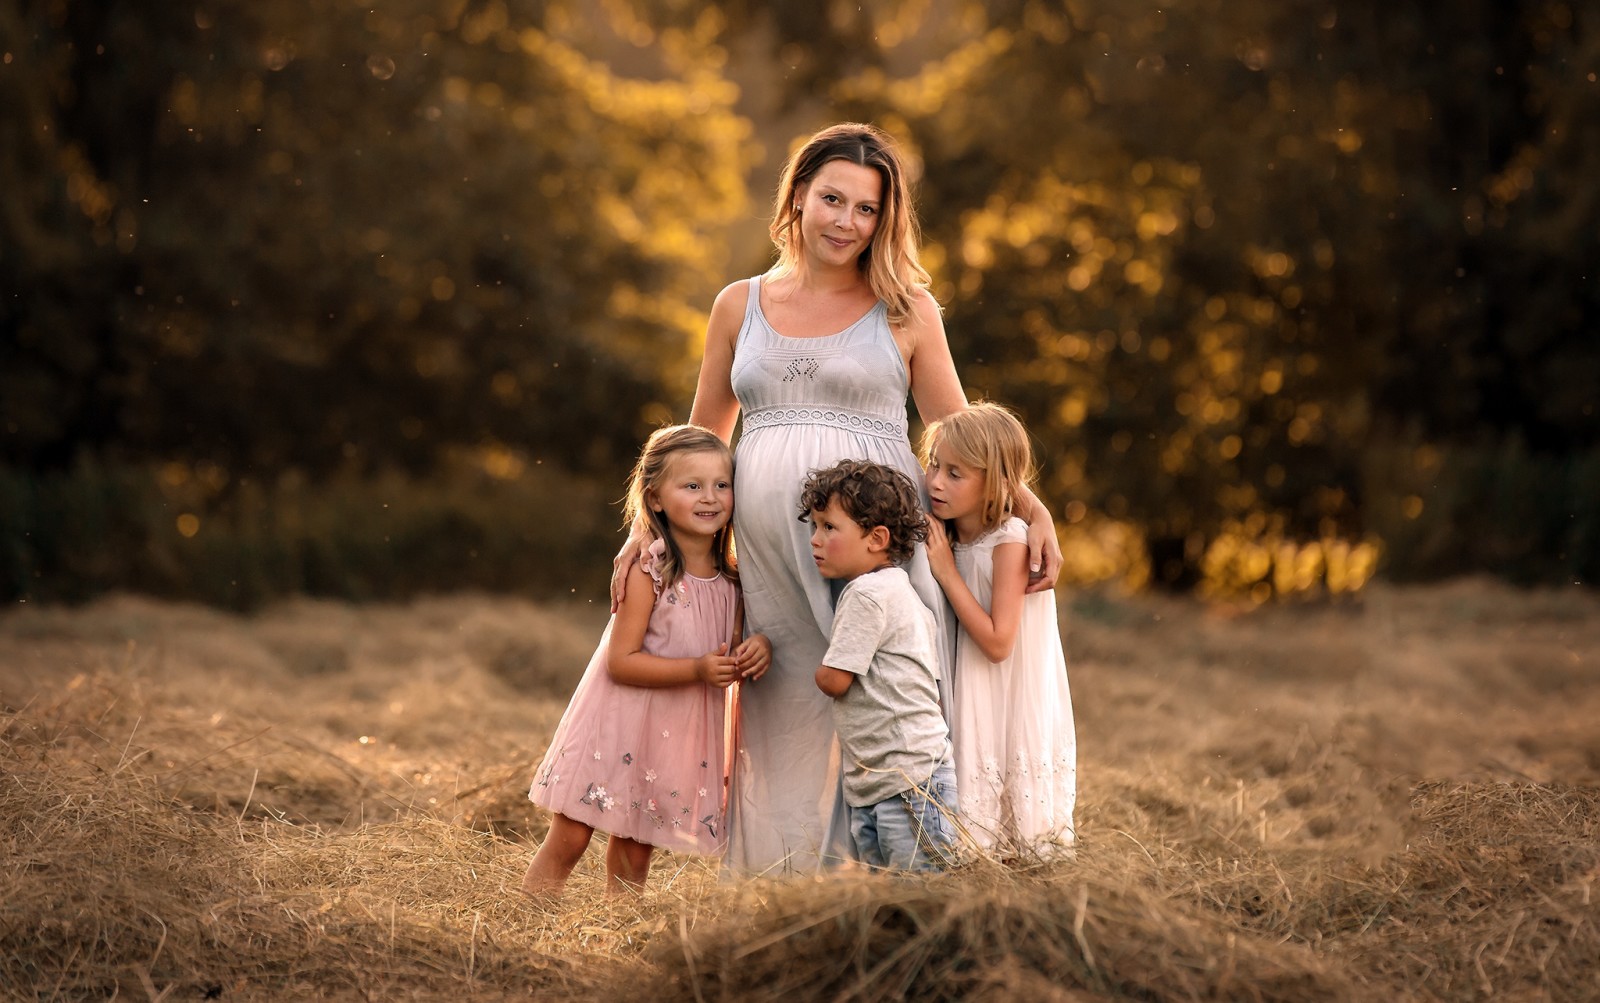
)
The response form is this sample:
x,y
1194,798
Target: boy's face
x,y
841,547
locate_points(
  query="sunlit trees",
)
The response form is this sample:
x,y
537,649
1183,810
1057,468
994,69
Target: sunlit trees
x,y
1220,253
281,235
1273,284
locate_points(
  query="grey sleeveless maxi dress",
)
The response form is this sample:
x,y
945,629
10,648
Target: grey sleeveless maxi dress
x,y
806,403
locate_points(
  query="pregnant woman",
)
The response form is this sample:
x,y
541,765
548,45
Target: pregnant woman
x,y
819,356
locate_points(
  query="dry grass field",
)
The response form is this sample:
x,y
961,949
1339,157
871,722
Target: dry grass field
x,y
1396,797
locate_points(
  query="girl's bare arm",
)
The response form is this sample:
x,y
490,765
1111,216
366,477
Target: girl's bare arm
x,y
630,665
994,630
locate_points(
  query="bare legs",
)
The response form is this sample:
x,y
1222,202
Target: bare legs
x,y
627,864
559,853
627,860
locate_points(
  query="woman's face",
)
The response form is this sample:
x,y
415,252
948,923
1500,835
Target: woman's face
x,y
839,212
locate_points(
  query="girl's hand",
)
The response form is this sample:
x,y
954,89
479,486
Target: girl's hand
x,y
717,668
1044,554
941,558
626,558
754,656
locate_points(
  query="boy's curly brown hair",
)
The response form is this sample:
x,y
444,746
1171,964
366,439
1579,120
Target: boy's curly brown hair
x,y
871,494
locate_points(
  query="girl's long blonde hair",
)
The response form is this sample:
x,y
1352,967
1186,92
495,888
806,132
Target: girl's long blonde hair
x,y
987,436
648,474
891,261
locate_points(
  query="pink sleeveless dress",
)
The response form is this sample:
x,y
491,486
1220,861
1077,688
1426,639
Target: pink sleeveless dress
x,y
646,762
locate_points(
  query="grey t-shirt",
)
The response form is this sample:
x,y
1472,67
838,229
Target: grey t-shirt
x,y
891,732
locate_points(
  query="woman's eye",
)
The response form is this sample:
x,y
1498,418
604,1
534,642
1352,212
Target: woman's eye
x,y
869,210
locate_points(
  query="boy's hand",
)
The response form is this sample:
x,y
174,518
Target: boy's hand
x,y
717,668
754,656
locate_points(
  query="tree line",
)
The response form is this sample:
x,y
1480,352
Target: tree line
x,y
1259,276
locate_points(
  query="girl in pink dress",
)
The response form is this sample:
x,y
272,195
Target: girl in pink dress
x,y
639,752
1011,724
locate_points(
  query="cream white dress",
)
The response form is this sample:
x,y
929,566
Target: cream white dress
x,y
1015,747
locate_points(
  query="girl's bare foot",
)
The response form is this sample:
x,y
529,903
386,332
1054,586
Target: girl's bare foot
x,y
540,889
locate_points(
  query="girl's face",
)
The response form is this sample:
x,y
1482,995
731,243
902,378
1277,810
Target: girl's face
x,y
839,212
695,494
955,489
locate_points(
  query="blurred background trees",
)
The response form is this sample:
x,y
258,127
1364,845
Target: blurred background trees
x,y
363,300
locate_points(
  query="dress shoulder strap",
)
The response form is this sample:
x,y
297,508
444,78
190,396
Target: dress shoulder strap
x,y
752,311
752,302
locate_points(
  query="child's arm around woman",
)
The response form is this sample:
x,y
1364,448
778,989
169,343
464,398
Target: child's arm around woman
x,y
993,630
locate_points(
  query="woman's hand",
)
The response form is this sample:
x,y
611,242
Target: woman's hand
x,y
1044,552
626,558
754,657
941,558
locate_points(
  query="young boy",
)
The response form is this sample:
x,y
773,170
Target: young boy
x,y
881,668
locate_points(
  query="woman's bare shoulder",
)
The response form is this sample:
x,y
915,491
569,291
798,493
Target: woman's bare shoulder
x,y
727,310
736,290
925,308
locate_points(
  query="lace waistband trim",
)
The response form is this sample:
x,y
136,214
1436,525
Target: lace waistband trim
x,y
850,421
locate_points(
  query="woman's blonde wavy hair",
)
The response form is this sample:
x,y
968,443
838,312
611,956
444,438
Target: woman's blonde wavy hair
x,y
891,261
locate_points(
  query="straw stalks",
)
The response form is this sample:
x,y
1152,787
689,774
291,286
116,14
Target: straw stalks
x,y
1395,798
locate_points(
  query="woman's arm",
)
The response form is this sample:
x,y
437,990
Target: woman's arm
x,y
937,391
935,387
627,557
994,630
715,407
631,666
1044,550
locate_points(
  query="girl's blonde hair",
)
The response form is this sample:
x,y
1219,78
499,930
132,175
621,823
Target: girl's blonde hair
x,y
649,474
987,437
891,261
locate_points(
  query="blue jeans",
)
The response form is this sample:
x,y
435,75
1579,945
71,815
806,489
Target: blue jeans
x,y
912,831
